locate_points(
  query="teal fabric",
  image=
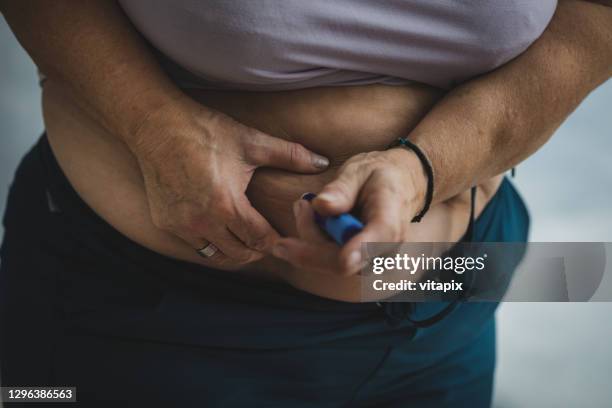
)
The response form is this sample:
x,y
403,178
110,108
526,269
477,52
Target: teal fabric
x,y
451,364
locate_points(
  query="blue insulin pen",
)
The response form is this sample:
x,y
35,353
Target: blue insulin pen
x,y
341,227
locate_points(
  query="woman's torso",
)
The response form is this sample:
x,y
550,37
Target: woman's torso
x,y
337,122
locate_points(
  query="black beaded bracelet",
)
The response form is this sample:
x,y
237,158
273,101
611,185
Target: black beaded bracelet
x,y
407,144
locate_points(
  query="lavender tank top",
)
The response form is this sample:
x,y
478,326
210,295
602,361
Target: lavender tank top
x,y
293,44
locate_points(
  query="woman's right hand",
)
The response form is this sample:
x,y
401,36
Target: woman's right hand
x,y
197,164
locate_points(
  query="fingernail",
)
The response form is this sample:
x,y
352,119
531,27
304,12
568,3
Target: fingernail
x,y
327,196
354,259
308,196
279,251
320,162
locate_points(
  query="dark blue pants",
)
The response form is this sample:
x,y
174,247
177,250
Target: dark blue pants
x,y
82,305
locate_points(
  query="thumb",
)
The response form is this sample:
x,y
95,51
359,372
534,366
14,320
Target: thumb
x,y
340,195
268,151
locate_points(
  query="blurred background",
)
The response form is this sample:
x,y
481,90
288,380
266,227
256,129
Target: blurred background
x,y
549,355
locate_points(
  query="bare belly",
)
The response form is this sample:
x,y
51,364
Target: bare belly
x,y
335,122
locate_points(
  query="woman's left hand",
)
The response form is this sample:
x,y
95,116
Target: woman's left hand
x,y
386,187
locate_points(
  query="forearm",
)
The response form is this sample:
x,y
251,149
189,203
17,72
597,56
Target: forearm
x,y
490,124
91,49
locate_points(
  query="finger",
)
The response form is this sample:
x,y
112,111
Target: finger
x,y
217,258
194,242
384,222
308,256
232,247
340,195
353,256
252,228
305,223
268,151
